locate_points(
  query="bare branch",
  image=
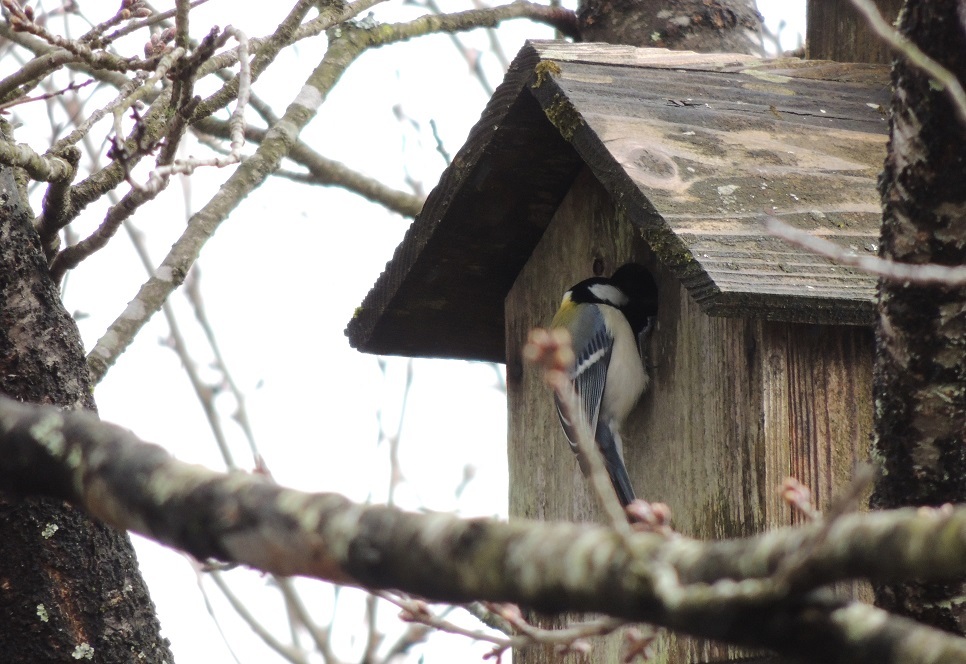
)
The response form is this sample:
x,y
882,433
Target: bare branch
x,y
880,267
327,172
203,392
20,20
182,39
50,58
321,636
43,168
143,23
290,654
720,590
167,61
344,47
249,175
236,124
19,83
266,50
47,95
193,293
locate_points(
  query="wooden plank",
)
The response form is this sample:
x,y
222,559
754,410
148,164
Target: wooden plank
x,y
631,56
817,387
835,31
842,71
674,452
736,405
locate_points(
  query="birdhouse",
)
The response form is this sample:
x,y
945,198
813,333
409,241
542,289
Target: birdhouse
x,y
591,156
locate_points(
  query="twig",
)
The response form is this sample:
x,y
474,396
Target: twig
x,y
124,13
440,148
525,634
236,123
395,467
472,58
167,61
373,636
144,23
21,20
321,636
203,391
30,74
880,267
495,46
291,654
418,611
790,572
193,294
209,607
47,95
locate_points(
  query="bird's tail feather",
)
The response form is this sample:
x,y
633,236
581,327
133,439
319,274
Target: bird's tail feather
x,y
609,442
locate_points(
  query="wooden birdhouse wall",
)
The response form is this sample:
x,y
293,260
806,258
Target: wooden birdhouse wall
x,y
735,406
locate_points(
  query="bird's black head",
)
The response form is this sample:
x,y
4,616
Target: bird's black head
x,y
598,290
641,290
631,289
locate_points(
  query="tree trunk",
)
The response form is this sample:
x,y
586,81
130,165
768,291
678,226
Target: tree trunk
x,y
707,26
70,589
920,373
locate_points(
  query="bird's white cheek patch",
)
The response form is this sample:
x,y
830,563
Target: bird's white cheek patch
x,y
610,294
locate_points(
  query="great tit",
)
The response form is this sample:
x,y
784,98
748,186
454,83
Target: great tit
x,y
608,321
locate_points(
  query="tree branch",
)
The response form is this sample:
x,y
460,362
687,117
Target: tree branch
x,y
346,43
50,168
927,273
720,590
328,172
249,175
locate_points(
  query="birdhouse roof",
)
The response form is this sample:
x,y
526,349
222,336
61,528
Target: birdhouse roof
x,y
695,150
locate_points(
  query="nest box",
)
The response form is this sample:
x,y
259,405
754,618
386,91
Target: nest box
x,y
590,156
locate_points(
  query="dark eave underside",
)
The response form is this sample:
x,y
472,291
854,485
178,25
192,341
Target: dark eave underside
x,y
442,293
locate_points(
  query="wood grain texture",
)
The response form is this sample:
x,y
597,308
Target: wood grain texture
x,y
736,405
835,31
694,147
706,152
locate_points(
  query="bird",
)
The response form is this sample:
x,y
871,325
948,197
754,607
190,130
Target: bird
x,y
609,320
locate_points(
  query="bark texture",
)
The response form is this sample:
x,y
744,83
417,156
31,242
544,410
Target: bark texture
x,y
70,589
707,26
763,591
920,375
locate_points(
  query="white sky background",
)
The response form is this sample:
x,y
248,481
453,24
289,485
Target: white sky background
x,y
280,279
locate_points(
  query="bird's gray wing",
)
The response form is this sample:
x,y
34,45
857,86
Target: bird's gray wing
x,y
592,346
